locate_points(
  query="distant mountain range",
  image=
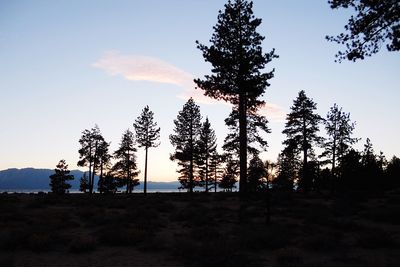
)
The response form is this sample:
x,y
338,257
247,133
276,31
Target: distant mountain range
x,y
31,178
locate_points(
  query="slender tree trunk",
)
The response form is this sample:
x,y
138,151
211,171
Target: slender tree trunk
x,y
334,148
128,176
191,175
334,155
101,177
305,171
90,170
207,173
92,178
243,144
215,178
305,156
94,168
127,182
127,185
145,173
268,208
334,177
88,180
191,159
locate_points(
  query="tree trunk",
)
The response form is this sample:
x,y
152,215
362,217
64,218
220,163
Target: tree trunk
x,y
243,144
305,171
127,183
191,159
215,180
207,173
268,208
145,173
305,150
92,179
94,169
128,176
101,177
90,170
191,174
334,154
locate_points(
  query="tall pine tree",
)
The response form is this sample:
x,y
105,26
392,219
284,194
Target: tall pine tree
x,y
125,168
187,130
339,129
216,170
237,61
206,147
104,159
147,135
90,152
301,130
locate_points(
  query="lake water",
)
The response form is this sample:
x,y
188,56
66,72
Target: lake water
x,y
35,191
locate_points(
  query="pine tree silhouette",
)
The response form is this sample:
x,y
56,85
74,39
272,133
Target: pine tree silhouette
x,y
237,60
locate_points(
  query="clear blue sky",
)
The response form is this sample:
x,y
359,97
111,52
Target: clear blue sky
x,y
66,65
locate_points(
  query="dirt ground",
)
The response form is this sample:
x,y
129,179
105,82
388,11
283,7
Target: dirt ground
x,y
215,229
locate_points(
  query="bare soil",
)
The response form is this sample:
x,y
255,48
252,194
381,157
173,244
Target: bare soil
x,y
215,229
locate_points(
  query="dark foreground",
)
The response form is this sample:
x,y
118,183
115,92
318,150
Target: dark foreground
x,y
202,230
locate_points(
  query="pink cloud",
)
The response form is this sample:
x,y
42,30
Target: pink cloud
x,y
273,112
144,68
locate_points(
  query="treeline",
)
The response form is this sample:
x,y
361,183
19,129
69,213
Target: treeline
x,y
337,168
94,153
200,163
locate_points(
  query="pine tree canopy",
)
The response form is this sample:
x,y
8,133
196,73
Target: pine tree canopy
x,y
302,123
375,24
58,180
125,168
186,135
339,129
236,56
147,132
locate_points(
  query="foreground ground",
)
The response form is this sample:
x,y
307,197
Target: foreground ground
x,y
175,229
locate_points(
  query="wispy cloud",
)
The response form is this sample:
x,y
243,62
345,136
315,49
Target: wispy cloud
x,y
151,69
273,112
142,68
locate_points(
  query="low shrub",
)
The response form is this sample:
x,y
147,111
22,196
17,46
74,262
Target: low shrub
x,y
325,241
385,214
7,260
82,244
11,239
290,257
40,242
271,236
375,239
123,236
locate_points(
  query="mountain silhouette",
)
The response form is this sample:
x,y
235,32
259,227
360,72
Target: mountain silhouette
x,y
31,178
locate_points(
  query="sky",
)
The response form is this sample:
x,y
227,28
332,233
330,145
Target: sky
x,y
68,65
